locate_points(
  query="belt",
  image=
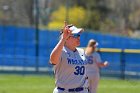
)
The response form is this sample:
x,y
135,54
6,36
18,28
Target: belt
x,y
72,90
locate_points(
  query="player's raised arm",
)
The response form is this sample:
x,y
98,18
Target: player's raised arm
x,y
56,52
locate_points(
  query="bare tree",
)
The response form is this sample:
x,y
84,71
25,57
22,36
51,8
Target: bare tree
x,y
17,12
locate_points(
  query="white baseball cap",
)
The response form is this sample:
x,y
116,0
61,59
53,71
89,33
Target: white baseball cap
x,y
76,30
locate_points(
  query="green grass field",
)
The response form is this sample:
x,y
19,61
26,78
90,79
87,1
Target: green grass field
x,y
45,84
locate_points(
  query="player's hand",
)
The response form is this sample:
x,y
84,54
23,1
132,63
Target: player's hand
x,y
106,63
66,32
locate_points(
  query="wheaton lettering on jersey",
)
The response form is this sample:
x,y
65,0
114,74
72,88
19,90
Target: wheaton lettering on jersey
x,y
76,62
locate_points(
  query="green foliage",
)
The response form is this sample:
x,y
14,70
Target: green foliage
x,y
96,13
107,26
1,15
93,20
76,16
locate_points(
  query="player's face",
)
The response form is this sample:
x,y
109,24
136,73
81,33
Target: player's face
x,y
74,40
92,49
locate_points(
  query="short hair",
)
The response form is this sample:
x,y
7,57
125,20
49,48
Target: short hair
x,y
91,43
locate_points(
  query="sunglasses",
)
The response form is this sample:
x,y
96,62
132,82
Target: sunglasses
x,y
75,35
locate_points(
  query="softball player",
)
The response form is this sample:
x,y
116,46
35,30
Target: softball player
x,y
69,62
94,62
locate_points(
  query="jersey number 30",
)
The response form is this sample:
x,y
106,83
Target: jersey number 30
x,y
80,70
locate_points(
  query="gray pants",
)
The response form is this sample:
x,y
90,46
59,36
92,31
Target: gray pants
x,y
65,91
93,83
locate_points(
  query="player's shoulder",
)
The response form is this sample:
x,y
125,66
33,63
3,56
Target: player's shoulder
x,y
96,53
64,50
81,50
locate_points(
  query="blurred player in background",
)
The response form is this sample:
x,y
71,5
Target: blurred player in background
x,y
94,63
69,62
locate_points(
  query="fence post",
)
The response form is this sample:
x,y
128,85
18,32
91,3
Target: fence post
x,y
67,11
37,33
122,64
